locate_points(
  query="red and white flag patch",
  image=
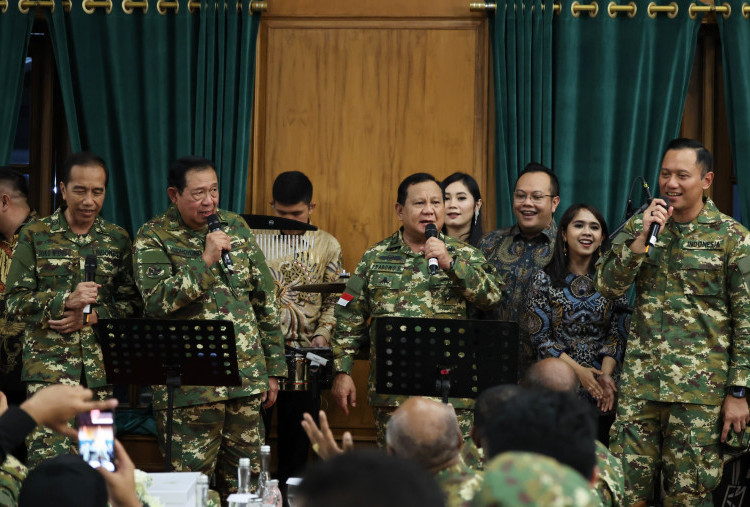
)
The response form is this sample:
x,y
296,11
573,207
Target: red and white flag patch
x,y
345,299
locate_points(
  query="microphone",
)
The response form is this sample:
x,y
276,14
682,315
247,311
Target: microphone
x,y
431,232
89,269
214,225
653,232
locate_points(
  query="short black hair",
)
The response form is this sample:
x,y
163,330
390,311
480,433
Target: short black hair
x,y
180,167
85,159
556,424
703,157
412,179
15,180
488,402
534,167
368,479
292,187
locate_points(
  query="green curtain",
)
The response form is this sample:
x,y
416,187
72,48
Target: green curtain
x,y
521,40
144,89
735,42
15,29
620,88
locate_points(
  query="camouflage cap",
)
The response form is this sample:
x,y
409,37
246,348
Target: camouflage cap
x,y
523,478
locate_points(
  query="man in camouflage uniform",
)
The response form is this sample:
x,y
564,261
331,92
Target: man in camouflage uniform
x,y
393,279
555,374
688,355
46,291
15,212
523,478
180,274
427,432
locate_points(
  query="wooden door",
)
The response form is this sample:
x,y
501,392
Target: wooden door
x,y
360,94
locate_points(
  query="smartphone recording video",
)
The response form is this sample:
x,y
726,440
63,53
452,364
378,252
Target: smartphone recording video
x,y
96,438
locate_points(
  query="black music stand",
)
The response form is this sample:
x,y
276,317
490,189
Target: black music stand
x,y
272,223
174,353
444,357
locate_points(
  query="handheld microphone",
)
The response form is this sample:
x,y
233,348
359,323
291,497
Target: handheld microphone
x,y
431,232
89,270
653,232
214,225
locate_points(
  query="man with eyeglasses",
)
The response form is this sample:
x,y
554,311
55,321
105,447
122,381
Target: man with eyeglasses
x,y
518,251
299,258
47,291
180,273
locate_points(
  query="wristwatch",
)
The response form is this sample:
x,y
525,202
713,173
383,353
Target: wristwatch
x,y
738,391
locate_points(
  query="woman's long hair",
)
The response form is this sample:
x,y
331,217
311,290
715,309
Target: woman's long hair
x,y
557,269
475,232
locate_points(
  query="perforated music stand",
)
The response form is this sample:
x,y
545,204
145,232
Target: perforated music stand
x,y
174,353
444,357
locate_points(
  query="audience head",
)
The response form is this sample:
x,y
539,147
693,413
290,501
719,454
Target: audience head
x,y
556,424
462,204
64,481
194,189
487,403
426,432
292,196
519,478
14,201
582,233
368,479
13,183
535,199
551,373
419,202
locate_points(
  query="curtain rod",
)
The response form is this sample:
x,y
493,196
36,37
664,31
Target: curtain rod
x,y
613,9
128,6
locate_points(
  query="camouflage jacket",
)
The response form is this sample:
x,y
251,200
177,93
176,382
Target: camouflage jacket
x,y
689,333
176,283
391,280
48,264
610,483
12,475
459,484
523,478
312,257
516,259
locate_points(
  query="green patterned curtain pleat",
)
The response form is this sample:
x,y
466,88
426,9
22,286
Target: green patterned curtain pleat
x,y
15,29
735,43
620,88
143,89
521,40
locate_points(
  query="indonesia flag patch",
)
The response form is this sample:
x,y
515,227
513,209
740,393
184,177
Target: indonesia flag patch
x,y
345,299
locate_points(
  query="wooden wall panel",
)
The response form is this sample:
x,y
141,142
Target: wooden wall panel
x,y
359,104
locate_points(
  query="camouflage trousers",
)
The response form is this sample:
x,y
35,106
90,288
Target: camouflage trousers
x,y
44,443
213,437
383,414
680,440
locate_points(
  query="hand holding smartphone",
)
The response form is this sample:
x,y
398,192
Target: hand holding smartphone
x,y
96,438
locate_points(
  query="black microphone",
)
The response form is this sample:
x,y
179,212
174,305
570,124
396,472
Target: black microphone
x,y
653,232
431,232
214,225
89,270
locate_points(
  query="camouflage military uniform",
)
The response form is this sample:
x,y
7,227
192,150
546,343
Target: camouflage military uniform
x,y
516,258
391,280
688,342
12,474
520,478
610,483
214,426
48,264
459,484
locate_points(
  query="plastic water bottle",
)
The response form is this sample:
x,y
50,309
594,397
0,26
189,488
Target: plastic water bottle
x,y
201,496
265,468
243,476
272,494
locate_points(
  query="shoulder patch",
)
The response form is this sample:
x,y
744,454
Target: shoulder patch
x,y
155,271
